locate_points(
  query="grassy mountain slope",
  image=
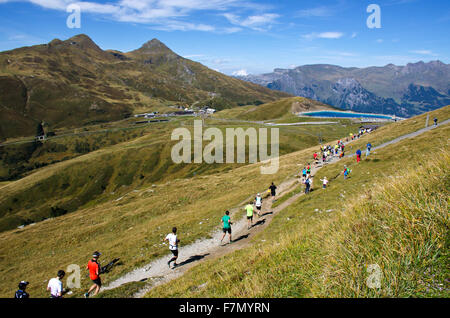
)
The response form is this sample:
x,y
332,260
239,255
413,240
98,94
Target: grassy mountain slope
x,y
130,222
73,83
389,213
280,109
117,168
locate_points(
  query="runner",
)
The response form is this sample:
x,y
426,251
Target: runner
x,y
226,222
258,204
55,285
358,155
324,182
249,209
272,189
173,246
435,121
307,184
21,293
315,156
369,146
304,173
346,172
308,170
94,274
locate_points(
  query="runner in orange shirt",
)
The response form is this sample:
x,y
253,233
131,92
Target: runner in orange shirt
x,y
94,273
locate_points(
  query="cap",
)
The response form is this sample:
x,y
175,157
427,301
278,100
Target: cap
x,y
23,284
96,254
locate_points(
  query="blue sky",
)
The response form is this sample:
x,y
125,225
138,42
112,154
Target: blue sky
x,y
244,36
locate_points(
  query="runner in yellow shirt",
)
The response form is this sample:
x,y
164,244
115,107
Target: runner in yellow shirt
x,y
249,209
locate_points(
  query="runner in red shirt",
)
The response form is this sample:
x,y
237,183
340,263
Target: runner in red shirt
x,y
94,273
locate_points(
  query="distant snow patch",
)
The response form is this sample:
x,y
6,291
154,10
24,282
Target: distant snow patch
x,y
240,73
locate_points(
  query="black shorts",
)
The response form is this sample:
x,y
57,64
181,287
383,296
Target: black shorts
x,y
174,252
249,217
97,282
304,175
258,208
227,230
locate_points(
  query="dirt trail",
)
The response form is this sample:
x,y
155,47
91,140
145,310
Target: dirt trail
x,y
158,272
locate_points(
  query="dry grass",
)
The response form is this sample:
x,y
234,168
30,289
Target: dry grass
x,y
129,227
388,213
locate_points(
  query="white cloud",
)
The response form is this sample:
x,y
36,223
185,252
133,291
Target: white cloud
x,y
323,35
193,56
423,52
316,12
347,54
242,72
167,15
231,30
184,26
380,41
255,22
51,4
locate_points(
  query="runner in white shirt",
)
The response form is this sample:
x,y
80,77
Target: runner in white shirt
x,y
324,182
258,204
173,246
55,285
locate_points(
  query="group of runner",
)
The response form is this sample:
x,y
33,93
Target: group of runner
x,y
173,240
55,285
306,176
257,202
329,151
359,153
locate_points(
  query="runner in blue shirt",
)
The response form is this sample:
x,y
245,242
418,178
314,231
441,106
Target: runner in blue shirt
x,y
369,146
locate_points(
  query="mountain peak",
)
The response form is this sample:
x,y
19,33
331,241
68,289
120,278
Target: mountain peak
x,y
436,63
154,48
154,45
82,41
81,38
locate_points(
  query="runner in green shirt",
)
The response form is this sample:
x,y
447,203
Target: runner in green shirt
x,y
249,209
226,221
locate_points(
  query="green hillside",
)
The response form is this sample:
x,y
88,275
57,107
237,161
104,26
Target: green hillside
x,y
67,174
283,109
121,199
392,212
